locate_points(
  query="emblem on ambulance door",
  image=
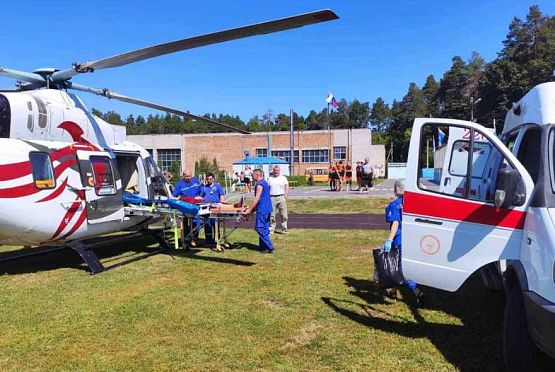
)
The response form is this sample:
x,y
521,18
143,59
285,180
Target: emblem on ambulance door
x,y
429,244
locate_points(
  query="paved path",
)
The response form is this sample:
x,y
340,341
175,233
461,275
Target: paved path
x,y
321,192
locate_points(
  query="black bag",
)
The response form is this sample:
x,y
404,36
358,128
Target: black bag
x,y
388,265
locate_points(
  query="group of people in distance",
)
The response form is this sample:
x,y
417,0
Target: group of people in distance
x,y
340,176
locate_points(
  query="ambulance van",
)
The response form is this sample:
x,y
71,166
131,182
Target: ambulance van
x,y
487,204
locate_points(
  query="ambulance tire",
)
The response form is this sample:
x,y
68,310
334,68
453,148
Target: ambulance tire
x,y
519,348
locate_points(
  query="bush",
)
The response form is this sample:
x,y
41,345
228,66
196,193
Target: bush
x,y
297,180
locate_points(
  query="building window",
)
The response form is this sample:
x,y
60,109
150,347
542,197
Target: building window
x,y
339,153
167,157
316,156
286,154
261,153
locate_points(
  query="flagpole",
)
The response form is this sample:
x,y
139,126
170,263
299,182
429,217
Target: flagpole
x,y
329,134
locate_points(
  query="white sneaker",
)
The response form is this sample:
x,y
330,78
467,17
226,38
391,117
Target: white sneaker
x,y
284,232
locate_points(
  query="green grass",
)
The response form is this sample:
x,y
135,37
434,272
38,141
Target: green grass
x,y
309,306
338,206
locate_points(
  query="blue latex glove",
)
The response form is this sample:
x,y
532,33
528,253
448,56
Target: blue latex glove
x,y
387,245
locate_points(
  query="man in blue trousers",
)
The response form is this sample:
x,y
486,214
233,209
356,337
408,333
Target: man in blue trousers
x,y
263,206
189,186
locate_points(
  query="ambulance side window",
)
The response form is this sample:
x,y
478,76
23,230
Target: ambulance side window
x,y
103,175
43,174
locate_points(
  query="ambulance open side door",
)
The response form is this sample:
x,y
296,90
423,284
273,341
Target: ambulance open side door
x,y
450,231
101,186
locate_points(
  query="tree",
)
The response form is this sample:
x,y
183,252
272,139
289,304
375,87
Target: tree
x,y
380,115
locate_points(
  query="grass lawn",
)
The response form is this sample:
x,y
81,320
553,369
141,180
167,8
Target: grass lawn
x,y
339,205
309,306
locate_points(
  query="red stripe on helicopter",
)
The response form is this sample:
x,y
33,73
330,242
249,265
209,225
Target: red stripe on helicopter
x,y
18,191
60,168
15,170
462,210
73,208
56,192
78,223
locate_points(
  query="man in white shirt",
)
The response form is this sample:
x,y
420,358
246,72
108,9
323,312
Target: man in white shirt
x,y
279,188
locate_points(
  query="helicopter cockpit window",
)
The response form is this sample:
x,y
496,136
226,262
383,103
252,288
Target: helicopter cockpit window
x,y
103,176
5,117
43,174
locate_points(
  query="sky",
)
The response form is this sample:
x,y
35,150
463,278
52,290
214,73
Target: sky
x,y
374,50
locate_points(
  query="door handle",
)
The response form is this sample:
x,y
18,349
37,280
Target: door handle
x,y
431,222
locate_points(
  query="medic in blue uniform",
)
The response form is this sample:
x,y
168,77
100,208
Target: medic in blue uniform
x,y
263,206
188,186
394,215
212,192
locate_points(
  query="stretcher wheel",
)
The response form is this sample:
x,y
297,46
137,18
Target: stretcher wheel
x,y
219,248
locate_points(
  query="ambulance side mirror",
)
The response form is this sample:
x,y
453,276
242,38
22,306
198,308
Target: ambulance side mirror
x,y
507,188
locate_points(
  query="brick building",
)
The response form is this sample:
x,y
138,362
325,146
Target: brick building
x,y
311,148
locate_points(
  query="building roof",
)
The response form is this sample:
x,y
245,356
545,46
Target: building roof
x,y
261,160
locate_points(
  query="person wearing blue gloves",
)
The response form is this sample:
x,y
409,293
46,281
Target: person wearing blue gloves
x,y
394,215
263,206
189,186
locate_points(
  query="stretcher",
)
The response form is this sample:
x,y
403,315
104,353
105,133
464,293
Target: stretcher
x,y
219,219
173,211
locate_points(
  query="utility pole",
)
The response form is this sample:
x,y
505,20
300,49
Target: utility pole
x,y
268,117
472,104
329,133
292,146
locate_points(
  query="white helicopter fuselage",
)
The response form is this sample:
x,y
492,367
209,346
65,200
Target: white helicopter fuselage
x,y
63,171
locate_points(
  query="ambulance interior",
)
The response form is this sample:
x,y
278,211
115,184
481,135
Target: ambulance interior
x,y
140,176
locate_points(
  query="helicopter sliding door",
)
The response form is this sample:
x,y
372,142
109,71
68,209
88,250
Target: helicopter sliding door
x,y
102,186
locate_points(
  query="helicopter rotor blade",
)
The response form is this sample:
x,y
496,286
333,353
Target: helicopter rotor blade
x,y
277,25
120,97
22,75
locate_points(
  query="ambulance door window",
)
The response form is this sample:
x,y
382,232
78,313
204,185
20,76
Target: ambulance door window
x,y
443,160
103,176
43,174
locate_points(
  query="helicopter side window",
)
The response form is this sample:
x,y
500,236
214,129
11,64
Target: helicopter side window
x,y
43,113
103,176
43,174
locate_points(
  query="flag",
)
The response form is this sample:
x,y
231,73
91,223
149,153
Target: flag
x,y
332,101
440,136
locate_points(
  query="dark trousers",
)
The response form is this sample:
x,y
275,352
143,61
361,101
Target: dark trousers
x,y
262,227
209,228
190,225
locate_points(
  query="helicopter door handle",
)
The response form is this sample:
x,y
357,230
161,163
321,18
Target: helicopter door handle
x,y
431,222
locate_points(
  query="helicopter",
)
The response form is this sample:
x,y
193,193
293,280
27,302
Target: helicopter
x,y
63,170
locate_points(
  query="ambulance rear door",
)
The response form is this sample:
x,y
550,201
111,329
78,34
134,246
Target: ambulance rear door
x,y
452,229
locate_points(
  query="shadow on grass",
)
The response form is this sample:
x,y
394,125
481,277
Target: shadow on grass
x,y
40,259
476,344
193,253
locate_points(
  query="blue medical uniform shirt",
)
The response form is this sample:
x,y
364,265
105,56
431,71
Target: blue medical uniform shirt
x,y
264,203
191,188
211,194
394,212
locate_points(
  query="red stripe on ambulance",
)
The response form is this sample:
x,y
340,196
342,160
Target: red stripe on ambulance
x,y
462,210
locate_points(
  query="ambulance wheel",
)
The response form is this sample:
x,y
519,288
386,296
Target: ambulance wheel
x,y
519,349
